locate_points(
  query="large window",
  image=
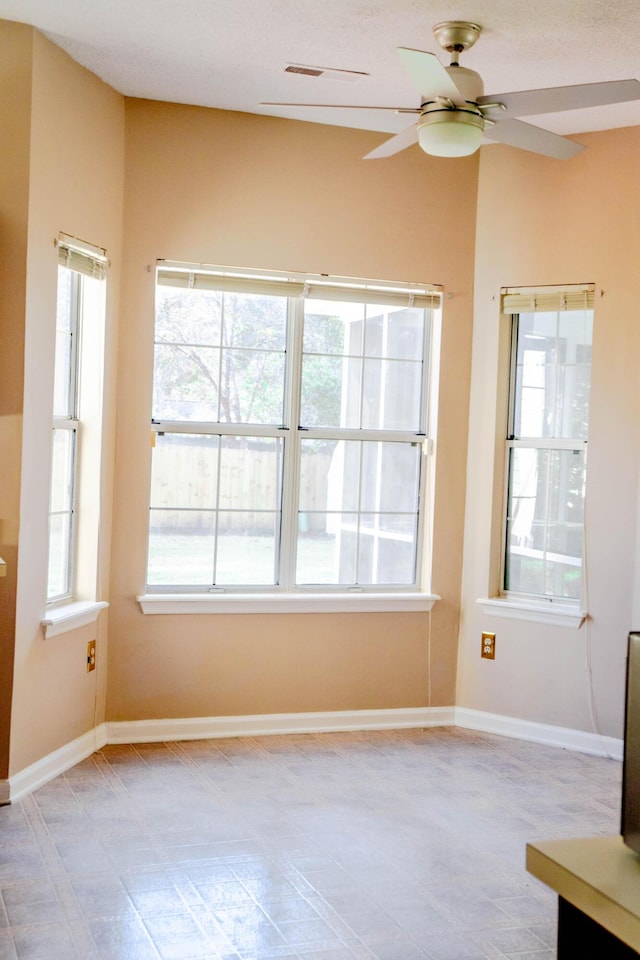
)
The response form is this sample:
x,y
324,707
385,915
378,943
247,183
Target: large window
x,y
80,307
289,417
547,442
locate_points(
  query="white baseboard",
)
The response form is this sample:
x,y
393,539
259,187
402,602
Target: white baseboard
x,y
197,728
56,763
569,739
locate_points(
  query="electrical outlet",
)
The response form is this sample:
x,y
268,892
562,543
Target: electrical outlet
x,y
488,650
91,655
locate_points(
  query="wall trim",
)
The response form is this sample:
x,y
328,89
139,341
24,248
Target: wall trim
x,y
579,740
197,728
55,763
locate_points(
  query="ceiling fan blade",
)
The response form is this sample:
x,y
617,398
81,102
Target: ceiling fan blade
x,y
515,133
527,103
395,144
340,106
428,74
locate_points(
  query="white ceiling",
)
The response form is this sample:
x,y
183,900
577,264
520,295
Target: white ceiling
x,y
231,54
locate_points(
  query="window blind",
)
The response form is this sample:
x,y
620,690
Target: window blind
x,y
82,257
390,294
548,300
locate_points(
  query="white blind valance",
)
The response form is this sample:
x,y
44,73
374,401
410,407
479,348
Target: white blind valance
x,y
82,257
548,300
390,294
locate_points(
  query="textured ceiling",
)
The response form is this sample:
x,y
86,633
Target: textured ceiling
x,y
231,54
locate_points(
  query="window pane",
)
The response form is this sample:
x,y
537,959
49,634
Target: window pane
x,y
552,375
249,517
348,549
329,475
247,548
219,357
352,474
62,405
185,385
223,495
391,395
331,392
362,366
358,512
188,316
187,378
575,336
327,549
390,476
545,522
252,387
316,459
59,555
62,470
387,549
399,335
329,325
181,547
184,471
255,322
250,473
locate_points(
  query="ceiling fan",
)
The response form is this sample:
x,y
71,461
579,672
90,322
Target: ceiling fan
x,y
454,114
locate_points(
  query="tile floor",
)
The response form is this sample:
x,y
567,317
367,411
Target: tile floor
x,y
403,845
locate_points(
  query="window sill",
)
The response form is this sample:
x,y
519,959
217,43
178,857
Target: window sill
x,y
555,614
70,616
290,603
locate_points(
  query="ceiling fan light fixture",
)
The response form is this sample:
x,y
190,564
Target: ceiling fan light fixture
x,y
450,132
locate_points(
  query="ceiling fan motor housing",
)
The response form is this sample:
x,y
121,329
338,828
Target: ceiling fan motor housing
x,y
468,82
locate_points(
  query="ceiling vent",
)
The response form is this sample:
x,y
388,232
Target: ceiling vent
x,y
327,73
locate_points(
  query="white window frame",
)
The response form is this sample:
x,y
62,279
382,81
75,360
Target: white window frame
x,y
512,603
69,422
77,605
286,596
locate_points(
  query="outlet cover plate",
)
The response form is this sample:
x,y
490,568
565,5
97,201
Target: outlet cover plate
x,y
488,650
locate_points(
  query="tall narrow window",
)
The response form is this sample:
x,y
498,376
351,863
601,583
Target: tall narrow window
x,y
65,435
289,415
80,304
547,442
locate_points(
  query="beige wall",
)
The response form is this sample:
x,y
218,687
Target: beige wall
x,y
75,186
549,222
235,189
15,104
